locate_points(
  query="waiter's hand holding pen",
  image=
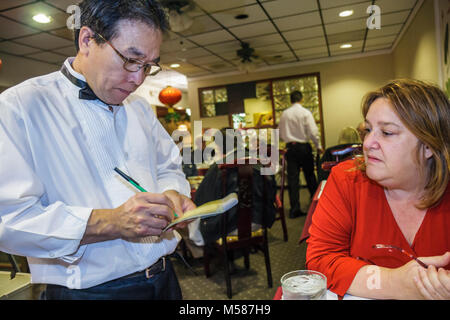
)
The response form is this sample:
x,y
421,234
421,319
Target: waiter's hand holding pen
x,y
144,214
178,202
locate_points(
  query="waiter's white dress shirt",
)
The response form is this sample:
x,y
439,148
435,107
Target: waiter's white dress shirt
x,y
297,125
57,155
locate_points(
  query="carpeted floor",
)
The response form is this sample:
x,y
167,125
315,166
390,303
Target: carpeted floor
x,y
249,284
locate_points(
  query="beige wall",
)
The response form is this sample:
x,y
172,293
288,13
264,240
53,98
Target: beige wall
x,y
416,55
344,83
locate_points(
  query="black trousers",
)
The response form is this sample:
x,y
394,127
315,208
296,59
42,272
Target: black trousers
x,y
299,155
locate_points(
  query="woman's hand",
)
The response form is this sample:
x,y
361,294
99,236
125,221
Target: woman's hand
x,y
434,282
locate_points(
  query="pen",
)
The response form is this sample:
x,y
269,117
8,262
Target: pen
x,y
134,183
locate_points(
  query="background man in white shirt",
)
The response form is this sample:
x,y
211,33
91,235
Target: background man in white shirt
x,y
297,127
85,231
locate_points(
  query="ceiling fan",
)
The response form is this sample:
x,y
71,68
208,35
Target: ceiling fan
x,y
246,53
179,20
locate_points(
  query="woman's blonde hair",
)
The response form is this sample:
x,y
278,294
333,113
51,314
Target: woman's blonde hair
x,y
349,135
425,110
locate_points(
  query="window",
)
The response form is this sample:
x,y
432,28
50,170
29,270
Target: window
x,y
259,104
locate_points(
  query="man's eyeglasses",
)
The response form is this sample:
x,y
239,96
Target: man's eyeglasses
x,y
134,65
390,247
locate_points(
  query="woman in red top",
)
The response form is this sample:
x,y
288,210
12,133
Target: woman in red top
x,y
398,195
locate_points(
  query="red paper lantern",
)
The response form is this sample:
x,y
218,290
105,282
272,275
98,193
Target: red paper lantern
x,y
0,64
170,96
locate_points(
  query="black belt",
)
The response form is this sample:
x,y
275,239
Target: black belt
x,y
157,267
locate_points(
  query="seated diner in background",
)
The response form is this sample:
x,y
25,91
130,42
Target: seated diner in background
x,y
381,227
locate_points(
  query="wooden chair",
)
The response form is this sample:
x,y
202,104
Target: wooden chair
x,y
280,196
246,239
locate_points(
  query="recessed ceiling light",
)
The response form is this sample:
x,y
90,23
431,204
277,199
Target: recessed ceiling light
x,y
346,13
42,18
346,46
241,16
175,65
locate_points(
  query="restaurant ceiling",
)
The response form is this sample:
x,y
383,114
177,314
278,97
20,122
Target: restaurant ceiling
x,y
281,32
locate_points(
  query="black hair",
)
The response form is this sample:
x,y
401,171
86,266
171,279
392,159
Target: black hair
x,y
296,96
102,16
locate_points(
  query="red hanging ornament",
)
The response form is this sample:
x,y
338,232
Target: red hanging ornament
x,y
170,96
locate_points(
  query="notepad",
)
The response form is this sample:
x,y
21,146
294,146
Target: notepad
x,y
208,209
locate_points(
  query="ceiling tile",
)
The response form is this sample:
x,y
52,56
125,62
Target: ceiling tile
x,y
64,33
298,21
379,41
208,59
347,36
10,29
264,40
25,15
394,18
222,47
308,43
15,48
215,6
305,33
377,47
229,55
271,50
67,51
6,4
384,31
227,18
201,24
254,29
359,11
282,57
311,51
177,45
314,56
62,4
346,26
48,57
336,50
192,53
219,66
211,37
281,8
325,4
397,5
45,41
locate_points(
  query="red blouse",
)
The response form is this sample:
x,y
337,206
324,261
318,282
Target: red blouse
x,y
352,215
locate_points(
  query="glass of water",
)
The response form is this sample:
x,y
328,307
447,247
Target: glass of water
x,y
304,285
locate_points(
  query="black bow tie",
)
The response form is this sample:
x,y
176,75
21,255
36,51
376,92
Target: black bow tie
x,y
85,92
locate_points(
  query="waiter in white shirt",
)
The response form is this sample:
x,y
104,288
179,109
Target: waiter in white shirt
x,y
86,232
297,127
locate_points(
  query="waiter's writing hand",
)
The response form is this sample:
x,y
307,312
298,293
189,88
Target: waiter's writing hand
x,y
144,214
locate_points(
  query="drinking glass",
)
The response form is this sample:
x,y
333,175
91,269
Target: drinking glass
x,y
304,285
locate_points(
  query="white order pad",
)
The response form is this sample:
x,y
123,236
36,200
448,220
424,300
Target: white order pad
x,y
208,209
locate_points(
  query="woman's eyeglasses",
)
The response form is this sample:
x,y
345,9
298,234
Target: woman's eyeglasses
x,y
390,247
134,65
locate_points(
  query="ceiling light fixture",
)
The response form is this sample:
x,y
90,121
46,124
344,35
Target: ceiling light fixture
x,y
345,13
241,16
346,46
175,65
42,18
